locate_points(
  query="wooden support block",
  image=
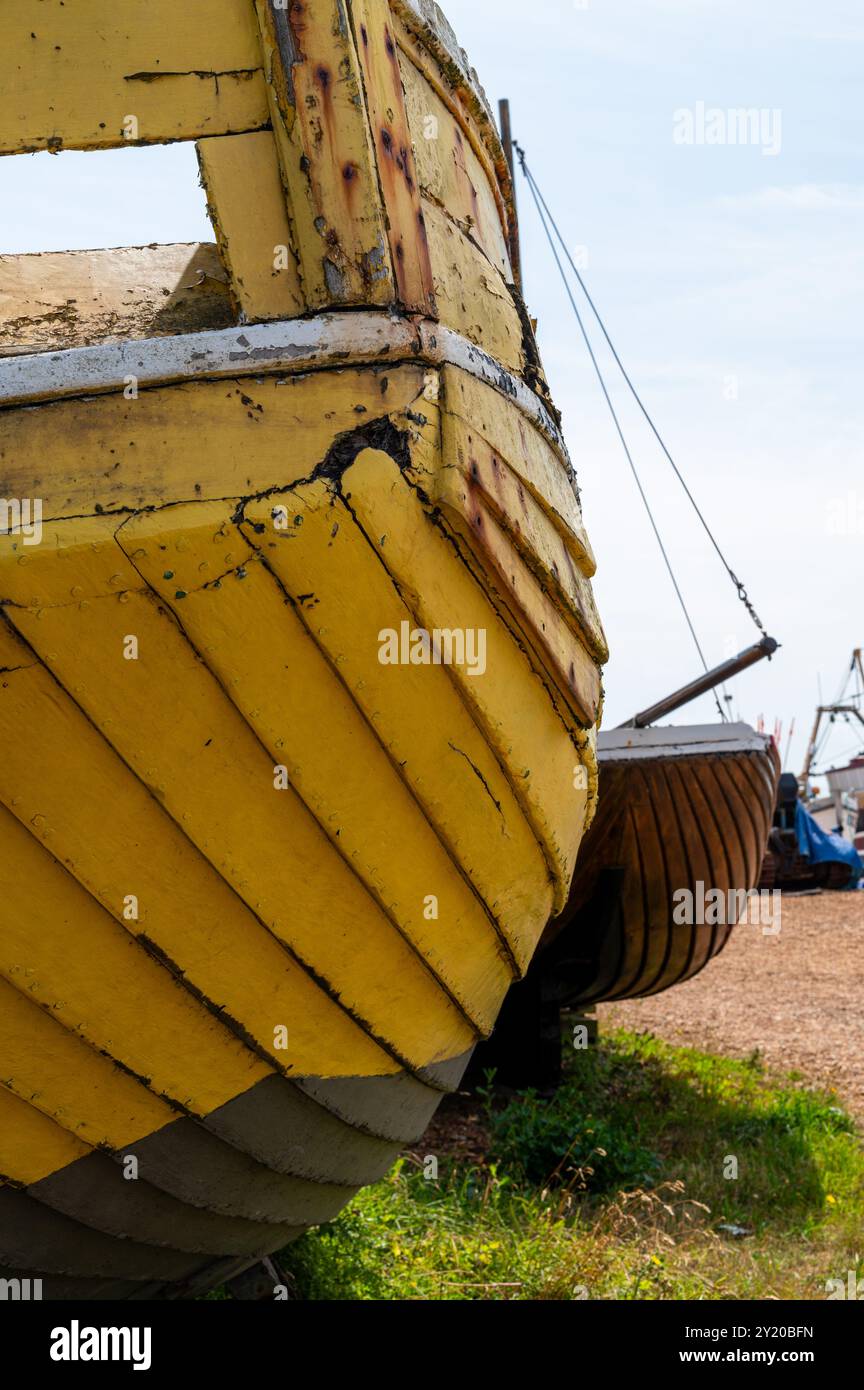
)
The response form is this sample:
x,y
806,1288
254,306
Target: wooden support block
x,y
241,174
97,75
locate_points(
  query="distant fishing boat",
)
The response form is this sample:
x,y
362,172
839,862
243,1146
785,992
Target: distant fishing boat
x,y
299,660
817,842
806,854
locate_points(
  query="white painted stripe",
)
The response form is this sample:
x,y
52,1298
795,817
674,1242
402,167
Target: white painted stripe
x,y
678,741
288,345
263,349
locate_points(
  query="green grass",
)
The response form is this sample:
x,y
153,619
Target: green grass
x,y
615,1189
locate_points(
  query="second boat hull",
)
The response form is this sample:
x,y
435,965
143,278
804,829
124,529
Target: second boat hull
x,y
684,814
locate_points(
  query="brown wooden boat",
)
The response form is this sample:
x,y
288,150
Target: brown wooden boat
x,y
679,807
683,810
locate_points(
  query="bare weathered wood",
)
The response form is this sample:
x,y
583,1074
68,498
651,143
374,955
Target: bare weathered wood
x,y
72,299
507,141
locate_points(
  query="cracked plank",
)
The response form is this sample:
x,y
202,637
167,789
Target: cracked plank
x,y
509,700
283,687
227,438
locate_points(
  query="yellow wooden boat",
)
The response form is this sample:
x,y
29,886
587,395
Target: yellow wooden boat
x,y
299,662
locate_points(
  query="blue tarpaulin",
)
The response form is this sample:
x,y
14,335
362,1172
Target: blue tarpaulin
x,y
823,847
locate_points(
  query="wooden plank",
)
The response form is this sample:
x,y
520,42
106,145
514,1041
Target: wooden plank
x,y
34,1238
448,168
482,483
89,1191
58,772
227,438
73,299
59,1075
98,75
108,990
564,651
283,686
427,39
208,769
704,836
239,173
325,149
470,294
31,1145
416,710
283,346
15,655
406,227
542,468
291,346
509,700
670,947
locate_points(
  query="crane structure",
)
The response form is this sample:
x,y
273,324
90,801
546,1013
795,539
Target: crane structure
x,y
850,708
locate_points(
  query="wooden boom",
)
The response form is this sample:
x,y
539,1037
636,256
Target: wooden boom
x,y
766,648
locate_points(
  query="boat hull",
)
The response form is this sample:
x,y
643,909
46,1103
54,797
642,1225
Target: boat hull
x,y
662,879
270,868
684,813
300,668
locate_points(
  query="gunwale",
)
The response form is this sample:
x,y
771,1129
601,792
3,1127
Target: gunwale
x,y
322,342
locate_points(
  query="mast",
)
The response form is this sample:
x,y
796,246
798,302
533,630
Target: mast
x,y
513,215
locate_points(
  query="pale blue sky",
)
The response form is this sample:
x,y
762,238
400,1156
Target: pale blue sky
x,y
710,263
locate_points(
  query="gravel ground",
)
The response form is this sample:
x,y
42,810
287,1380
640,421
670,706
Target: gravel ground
x,y
797,997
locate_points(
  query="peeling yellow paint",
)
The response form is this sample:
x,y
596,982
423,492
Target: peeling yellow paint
x,y
248,783
97,75
241,174
328,161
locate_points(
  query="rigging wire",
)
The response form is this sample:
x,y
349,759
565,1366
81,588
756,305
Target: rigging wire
x,y
540,211
541,203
